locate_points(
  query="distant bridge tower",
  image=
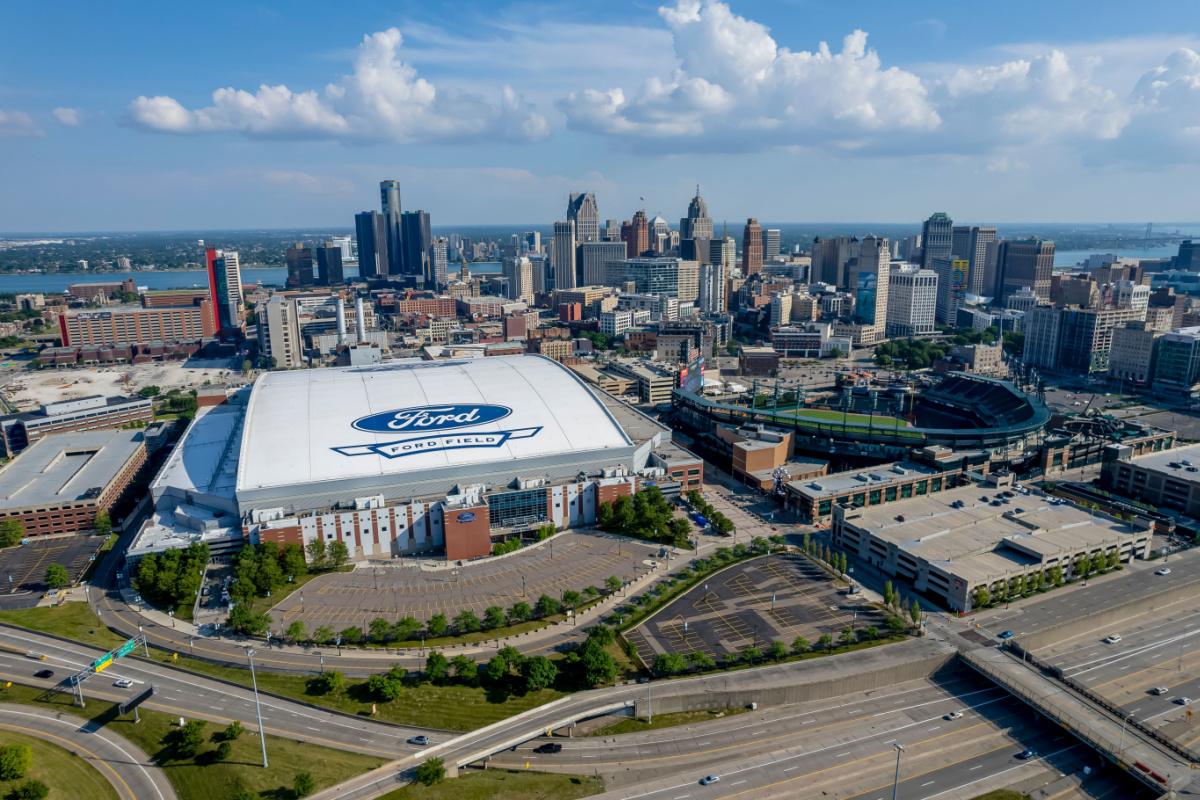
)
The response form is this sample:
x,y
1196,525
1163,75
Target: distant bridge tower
x,y
1149,229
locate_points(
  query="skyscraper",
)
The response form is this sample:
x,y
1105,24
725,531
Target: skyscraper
x,y
583,212
696,230
329,265
723,251
562,255
770,243
594,258
712,287
1024,263
937,254
871,287
370,230
438,262
389,194
612,230
225,288
660,235
416,239
299,266
752,253
637,236
970,242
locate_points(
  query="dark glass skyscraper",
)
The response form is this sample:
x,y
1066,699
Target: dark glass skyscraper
x,y
329,265
299,266
370,229
417,239
389,195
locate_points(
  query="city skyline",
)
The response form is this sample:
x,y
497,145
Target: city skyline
x,y
641,102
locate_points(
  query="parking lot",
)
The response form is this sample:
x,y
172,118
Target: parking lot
x,y
568,561
752,604
23,568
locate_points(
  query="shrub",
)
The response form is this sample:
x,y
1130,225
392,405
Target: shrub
x,y
15,761
431,772
303,785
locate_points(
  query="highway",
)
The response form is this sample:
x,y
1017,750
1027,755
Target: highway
x,y
131,772
185,694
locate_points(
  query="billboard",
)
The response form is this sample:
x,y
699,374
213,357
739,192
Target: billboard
x,y
691,377
136,700
958,279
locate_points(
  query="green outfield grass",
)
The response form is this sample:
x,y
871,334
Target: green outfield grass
x,y
879,420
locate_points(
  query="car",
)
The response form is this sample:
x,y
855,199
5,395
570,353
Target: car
x,y
421,740
1025,755
1163,571
706,780
1183,701
1006,635
953,715
123,683
44,673
1114,639
549,747
1160,690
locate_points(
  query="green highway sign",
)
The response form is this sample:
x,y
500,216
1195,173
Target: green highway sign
x,y
127,648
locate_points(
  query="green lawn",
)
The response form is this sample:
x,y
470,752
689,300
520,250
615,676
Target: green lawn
x,y
101,554
68,775
203,778
636,724
74,621
1002,794
503,784
879,420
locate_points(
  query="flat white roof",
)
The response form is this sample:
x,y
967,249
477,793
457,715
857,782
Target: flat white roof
x,y
306,426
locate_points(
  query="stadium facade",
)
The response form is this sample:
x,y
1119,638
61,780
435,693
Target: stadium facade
x,y
411,457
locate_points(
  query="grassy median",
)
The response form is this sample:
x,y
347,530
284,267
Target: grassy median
x,y
638,724
69,776
203,777
504,784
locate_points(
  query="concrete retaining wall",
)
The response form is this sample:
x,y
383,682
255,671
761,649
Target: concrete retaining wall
x,y
803,692
1110,616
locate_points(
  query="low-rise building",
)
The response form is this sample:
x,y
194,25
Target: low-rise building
x,y
83,414
655,381
1169,479
760,362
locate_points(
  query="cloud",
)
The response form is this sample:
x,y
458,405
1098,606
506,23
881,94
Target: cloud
x,y
71,117
383,100
18,123
1166,122
736,86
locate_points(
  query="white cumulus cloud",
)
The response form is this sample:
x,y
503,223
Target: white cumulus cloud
x,y
18,123
70,117
383,100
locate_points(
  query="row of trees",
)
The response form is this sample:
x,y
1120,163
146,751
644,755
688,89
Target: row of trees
x,y
647,516
327,556
720,522
895,602
1026,584
261,569
15,762
172,578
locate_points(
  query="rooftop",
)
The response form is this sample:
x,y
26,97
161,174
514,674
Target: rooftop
x,y
205,460
66,467
864,479
1185,459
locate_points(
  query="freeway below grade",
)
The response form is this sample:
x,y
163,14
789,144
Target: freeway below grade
x,y
189,695
132,773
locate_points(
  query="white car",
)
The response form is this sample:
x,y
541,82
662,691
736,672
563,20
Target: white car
x,y
124,683
1112,639
709,779
1160,690
953,715
1183,701
1163,571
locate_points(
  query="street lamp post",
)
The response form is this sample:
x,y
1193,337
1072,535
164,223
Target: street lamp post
x,y
257,708
1121,743
896,781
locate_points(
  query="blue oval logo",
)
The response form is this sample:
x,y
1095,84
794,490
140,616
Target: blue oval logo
x,y
466,516
423,419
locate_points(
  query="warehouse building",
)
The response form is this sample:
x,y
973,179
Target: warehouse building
x,y
410,457
61,482
948,544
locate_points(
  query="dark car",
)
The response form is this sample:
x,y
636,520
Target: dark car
x,y
548,748
1006,635
44,673
1025,755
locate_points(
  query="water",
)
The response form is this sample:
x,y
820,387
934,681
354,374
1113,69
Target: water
x,y
1069,258
179,279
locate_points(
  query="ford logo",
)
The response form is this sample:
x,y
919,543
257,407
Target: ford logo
x,y
424,419
466,516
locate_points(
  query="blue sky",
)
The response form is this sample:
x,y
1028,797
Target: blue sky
x,y
241,115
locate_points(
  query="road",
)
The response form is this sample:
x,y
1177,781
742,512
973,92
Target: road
x,y
184,694
130,771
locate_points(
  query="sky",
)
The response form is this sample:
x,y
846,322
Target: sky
x,y
219,115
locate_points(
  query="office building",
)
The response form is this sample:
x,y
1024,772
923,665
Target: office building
x,y
582,210
910,248
438,263
871,288
416,239
299,266
969,242
329,265
636,235
61,482
770,244
345,244
1188,258
951,287
129,325
660,236
752,251
594,260
612,230
723,251
1132,357
672,277
696,231
562,255
1177,366
937,240
615,323
831,259
1024,264
370,232
1043,327
1025,300
521,280
912,301
279,331
225,288
780,309
95,412
1166,480
711,299
389,194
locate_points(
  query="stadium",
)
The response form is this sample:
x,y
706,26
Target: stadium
x,y
411,457
962,412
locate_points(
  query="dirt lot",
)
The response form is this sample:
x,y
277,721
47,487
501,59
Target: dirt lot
x,y
27,391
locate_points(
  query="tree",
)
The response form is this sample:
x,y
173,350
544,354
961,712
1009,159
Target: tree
x,y
895,626
338,554
497,668
914,612
303,785
190,738
493,617
466,622
222,752
701,660
291,558
888,593
540,672
825,642
751,654
12,531
835,352
351,635
1112,558
778,650
436,666
243,620
323,635
406,627
297,632
246,366
316,552
15,761
604,516
436,625
669,663
431,772
31,790
56,576
612,583
729,659
520,611
547,606
465,669
380,630
869,633
102,524
679,529
572,599
800,645
758,543
982,596
1056,575
232,731
847,637
149,391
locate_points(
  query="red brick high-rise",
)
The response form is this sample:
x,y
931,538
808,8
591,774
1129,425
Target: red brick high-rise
x,y
752,254
637,235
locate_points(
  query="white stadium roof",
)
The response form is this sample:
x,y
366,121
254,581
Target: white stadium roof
x,y
409,418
